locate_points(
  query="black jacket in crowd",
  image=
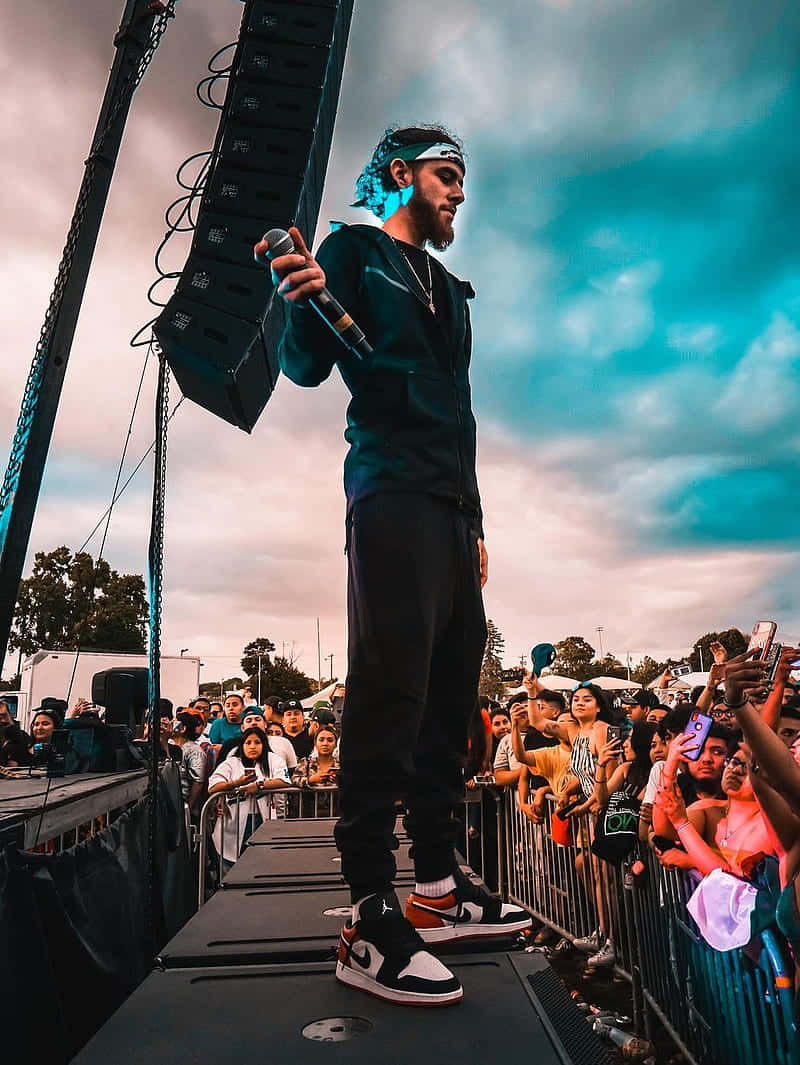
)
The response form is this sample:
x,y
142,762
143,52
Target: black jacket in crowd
x,y
409,424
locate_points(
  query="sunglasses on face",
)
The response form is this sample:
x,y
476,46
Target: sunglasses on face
x,y
737,763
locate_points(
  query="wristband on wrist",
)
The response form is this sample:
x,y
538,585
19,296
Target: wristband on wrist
x,y
682,825
735,706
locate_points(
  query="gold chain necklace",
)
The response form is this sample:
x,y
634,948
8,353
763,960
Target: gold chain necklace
x,y
429,290
730,833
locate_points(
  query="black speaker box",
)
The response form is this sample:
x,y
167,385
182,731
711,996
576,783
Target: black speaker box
x,y
221,329
220,361
301,1015
123,692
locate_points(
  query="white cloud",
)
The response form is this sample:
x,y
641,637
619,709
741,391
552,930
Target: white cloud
x,y
616,315
694,339
763,389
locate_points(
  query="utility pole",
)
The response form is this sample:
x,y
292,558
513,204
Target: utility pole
x,y
319,660
19,494
331,658
600,638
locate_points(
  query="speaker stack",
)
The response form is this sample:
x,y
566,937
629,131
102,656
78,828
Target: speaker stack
x,y
220,330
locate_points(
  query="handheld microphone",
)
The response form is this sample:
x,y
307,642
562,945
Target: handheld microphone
x,y
329,309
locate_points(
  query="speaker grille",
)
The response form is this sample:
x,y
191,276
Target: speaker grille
x,y
578,1039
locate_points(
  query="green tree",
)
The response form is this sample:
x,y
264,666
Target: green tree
x,y
279,676
574,658
71,600
261,648
647,670
733,640
491,680
608,666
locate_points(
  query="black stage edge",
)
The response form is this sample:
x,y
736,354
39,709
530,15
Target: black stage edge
x,y
263,926
310,862
514,1007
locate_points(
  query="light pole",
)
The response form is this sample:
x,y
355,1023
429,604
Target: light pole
x,y
183,651
600,638
330,656
258,658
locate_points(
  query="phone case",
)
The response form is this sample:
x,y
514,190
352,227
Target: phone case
x,y
762,636
699,726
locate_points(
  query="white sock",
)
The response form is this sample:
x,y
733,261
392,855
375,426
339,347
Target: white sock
x,y
435,888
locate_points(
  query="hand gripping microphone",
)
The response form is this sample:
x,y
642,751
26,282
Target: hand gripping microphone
x,y
279,243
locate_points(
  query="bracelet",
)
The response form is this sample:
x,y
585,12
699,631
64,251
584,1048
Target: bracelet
x,y
684,824
735,706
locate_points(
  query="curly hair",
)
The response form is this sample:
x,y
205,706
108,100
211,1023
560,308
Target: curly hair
x,y
375,182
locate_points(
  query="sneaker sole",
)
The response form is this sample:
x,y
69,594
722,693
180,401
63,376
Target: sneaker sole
x,y
362,982
447,933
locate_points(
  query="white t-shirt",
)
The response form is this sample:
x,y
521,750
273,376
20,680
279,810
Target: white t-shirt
x,y
280,745
504,756
653,783
229,830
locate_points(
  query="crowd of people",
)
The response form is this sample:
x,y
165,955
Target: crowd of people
x,y
726,809
730,808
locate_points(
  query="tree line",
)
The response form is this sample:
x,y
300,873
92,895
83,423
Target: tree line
x,y
576,658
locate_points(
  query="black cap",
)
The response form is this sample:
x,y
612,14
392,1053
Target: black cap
x,y
324,717
292,704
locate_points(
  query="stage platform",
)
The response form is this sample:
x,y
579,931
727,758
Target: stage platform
x,y
309,861
251,977
514,1007
71,800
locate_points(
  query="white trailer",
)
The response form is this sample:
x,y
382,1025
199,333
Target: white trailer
x,y
49,673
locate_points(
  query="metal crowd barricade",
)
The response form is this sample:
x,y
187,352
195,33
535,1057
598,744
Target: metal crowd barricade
x,y
482,833
719,1007
227,810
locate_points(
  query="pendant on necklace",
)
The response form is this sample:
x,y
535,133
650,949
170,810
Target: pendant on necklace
x,y
432,305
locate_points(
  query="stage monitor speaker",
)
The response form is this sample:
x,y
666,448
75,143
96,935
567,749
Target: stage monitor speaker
x,y
221,328
123,692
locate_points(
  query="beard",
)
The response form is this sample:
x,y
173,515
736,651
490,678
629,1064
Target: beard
x,y
435,224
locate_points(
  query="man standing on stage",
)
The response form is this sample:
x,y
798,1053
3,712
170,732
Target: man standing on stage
x,y
416,560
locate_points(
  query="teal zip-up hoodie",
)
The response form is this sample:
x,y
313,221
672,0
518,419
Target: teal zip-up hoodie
x,y
409,424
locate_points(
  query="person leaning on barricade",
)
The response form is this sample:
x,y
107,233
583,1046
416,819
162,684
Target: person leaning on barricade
x,y
244,779
751,837
775,776
548,764
319,770
185,733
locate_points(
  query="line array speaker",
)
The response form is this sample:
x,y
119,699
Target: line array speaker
x,y
220,329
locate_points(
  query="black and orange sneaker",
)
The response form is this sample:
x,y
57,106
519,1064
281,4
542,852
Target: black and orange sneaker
x,y
380,953
468,912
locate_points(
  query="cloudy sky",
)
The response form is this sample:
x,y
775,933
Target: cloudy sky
x,y
631,229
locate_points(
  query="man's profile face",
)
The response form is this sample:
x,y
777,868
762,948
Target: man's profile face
x,y
438,192
5,716
233,707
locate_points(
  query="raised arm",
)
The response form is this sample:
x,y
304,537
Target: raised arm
x,y
536,718
604,785
689,828
771,710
